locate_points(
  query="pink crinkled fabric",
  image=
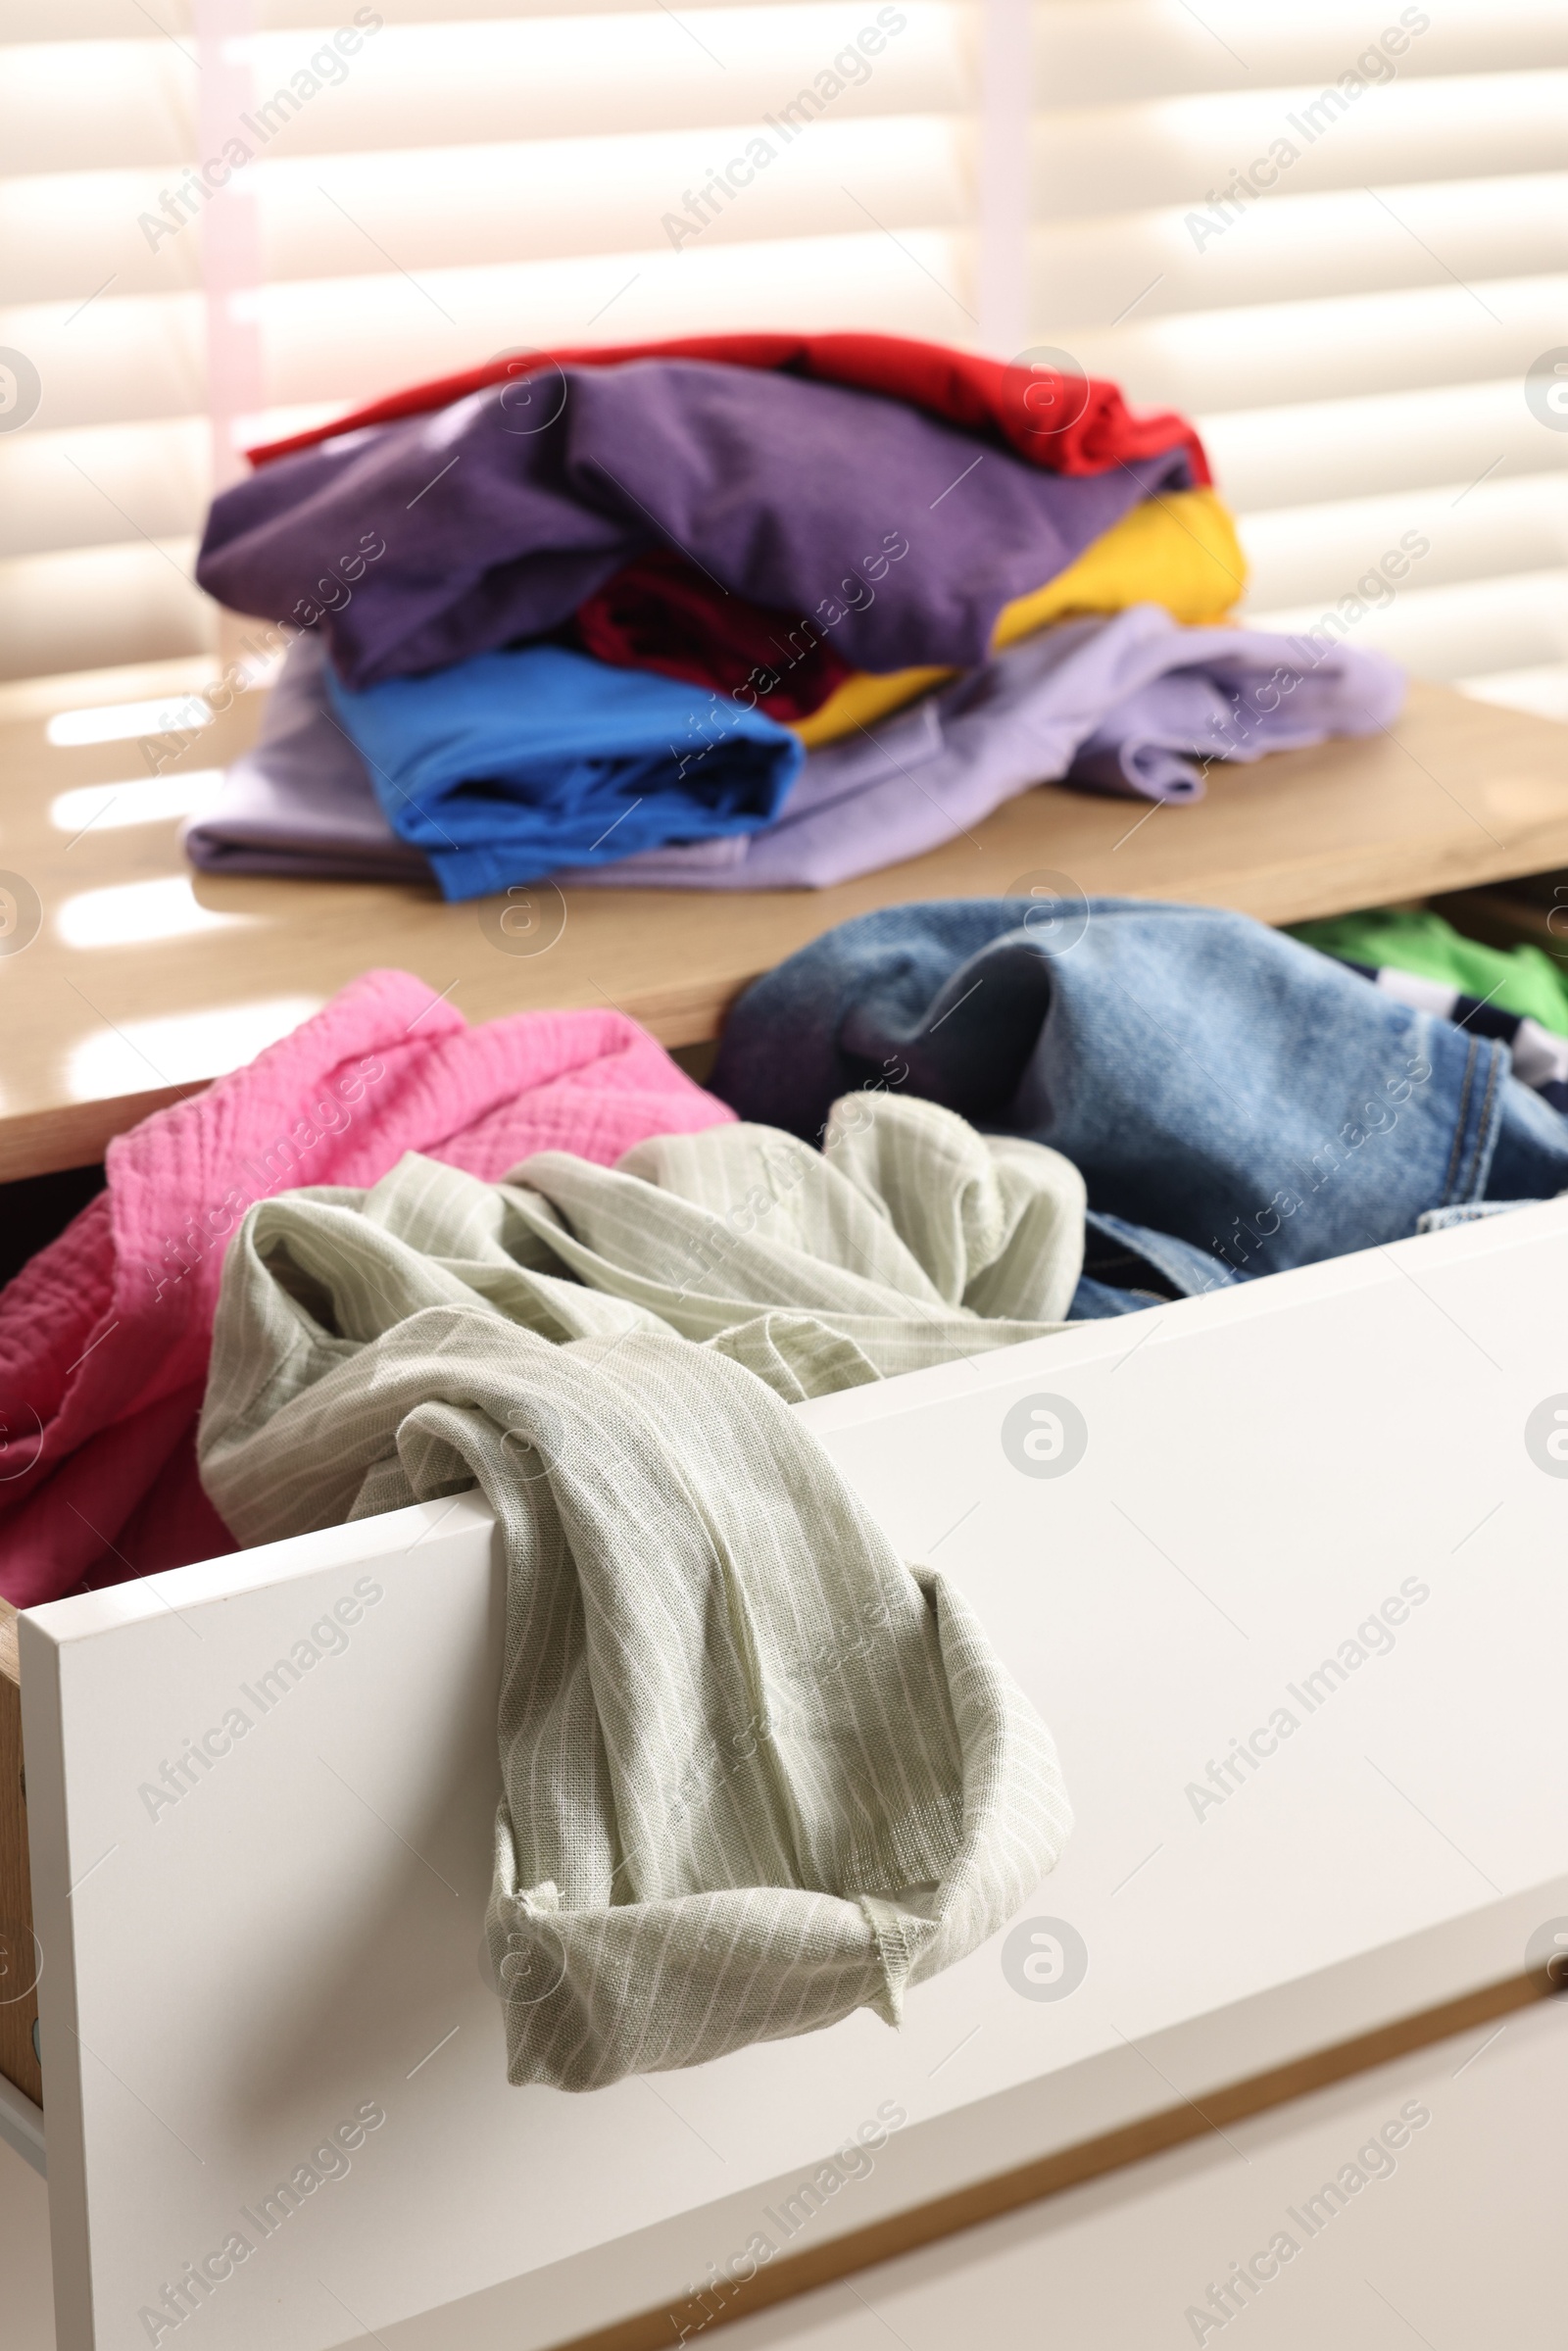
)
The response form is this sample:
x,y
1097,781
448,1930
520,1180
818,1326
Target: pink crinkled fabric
x,y
104,1337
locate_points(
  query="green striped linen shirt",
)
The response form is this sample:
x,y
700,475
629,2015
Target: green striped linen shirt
x,y
756,1771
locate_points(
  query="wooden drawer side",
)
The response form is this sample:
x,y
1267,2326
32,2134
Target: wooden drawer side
x,y
18,2002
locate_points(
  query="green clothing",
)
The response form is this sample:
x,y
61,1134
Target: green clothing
x,y
756,1773
1519,979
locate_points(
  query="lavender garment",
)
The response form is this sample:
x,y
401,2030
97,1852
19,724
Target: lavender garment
x,y
299,801
423,542
1123,704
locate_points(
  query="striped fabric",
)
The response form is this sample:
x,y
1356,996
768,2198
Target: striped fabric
x,y
756,1773
1540,1058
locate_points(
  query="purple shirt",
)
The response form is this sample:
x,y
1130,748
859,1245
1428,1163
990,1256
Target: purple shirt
x,y
427,542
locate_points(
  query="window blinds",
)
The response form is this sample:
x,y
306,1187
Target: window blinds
x,y
1339,235
268,214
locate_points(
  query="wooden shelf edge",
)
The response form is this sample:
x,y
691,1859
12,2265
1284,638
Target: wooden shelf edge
x,y
78,1134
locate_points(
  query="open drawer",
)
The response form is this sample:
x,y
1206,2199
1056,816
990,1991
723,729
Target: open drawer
x,y
1296,1616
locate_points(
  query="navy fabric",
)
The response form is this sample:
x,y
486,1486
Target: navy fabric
x,y
1127,1267
504,767
1539,1056
419,544
1133,1257
1214,1080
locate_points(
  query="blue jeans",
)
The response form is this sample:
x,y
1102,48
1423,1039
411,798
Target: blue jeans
x,y
1217,1083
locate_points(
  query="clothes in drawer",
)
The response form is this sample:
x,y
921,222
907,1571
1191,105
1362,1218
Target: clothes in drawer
x,y
1277,1565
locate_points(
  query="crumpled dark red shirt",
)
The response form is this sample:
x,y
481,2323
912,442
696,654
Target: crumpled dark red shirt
x,y
660,613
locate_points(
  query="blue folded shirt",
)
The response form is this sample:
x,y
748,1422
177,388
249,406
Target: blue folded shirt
x,y
505,768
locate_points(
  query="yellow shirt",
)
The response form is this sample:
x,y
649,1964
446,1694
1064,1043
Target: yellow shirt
x,y
1179,551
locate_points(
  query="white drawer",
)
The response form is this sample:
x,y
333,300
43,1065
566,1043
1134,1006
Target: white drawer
x,y
288,1946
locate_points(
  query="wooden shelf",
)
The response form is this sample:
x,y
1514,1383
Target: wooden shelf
x,y
1459,793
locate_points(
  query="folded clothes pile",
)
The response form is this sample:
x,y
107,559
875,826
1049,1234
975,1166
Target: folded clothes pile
x,y
742,613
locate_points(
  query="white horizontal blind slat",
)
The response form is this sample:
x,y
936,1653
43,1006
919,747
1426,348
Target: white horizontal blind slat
x,y
1123,158
1460,532
347,216
1452,633
1294,454
1392,239
562,199
63,490
1334,347
349,339
135,602
599,77
1110,52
